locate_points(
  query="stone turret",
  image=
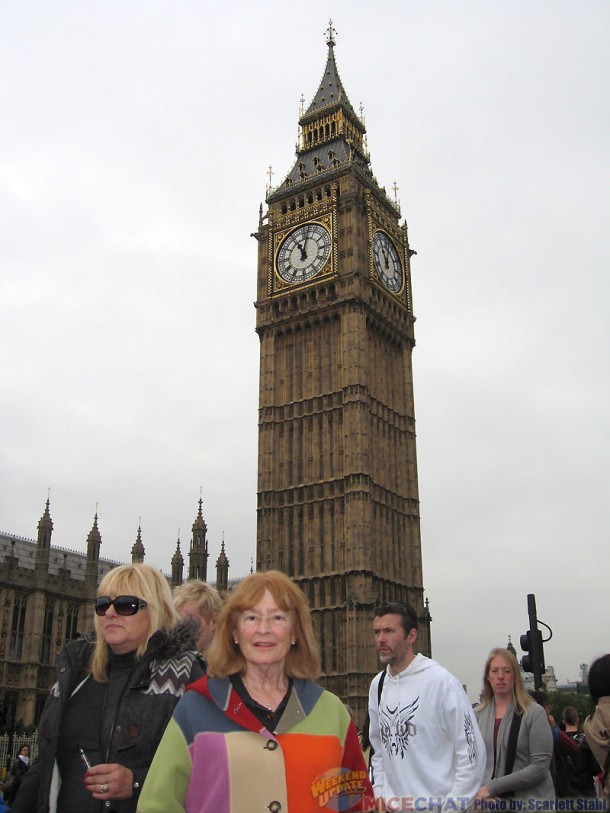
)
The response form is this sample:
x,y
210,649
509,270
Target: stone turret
x,y
137,551
177,565
222,569
94,542
198,554
43,542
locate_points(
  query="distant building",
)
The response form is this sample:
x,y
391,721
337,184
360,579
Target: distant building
x,y
46,599
578,686
549,681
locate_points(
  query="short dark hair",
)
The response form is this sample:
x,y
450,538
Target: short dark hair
x,y
408,616
599,678
540,697
569,715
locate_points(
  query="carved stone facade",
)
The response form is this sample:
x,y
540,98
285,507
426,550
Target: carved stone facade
x,y
46,599
338,503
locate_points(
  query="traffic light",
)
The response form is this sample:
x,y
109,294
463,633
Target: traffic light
x,y
531,642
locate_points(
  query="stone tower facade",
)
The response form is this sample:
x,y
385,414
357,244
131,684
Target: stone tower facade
x,y
338,501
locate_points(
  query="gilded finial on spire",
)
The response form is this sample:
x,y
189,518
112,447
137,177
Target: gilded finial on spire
x,y
302,104
395,187
331,33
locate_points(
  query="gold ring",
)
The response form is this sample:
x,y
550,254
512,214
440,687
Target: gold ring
x,y
104,788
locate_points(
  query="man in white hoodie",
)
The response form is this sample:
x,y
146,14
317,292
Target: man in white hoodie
x,y
428,751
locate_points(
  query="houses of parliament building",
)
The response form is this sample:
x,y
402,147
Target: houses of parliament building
x,y
46,599
338,493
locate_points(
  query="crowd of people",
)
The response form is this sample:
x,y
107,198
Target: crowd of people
x,y
191,704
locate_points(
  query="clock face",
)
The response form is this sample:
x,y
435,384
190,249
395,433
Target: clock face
x,y
303,253
387,262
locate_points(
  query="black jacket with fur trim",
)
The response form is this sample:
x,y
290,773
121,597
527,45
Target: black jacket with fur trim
x,y
155,685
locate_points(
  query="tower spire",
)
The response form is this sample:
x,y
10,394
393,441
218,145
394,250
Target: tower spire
x,y
222,568
198,554
43,543
331,133
137,551
94,541
177,564
45,526
331,91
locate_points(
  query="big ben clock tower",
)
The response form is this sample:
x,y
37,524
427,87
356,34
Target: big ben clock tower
x,y
338,503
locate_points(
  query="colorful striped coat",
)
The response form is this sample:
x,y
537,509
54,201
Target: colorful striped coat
x,y
216,757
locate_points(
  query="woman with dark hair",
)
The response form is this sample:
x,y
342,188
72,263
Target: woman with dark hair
x,y
516,732
114,695
18,770
597,725
257,733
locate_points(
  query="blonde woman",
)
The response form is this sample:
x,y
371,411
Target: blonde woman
x,y
504,700
114,695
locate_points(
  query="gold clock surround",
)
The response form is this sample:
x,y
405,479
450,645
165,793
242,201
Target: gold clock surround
x,y
279,285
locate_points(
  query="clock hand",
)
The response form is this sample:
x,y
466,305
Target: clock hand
x,y
386,257
303,249
305,239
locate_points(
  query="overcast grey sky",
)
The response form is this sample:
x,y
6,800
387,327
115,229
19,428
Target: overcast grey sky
x,y
136,138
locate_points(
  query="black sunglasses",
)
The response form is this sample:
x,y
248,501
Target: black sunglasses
x,y
124,605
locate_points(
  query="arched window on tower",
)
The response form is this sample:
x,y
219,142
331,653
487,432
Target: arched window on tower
x,y
17,629
72,622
